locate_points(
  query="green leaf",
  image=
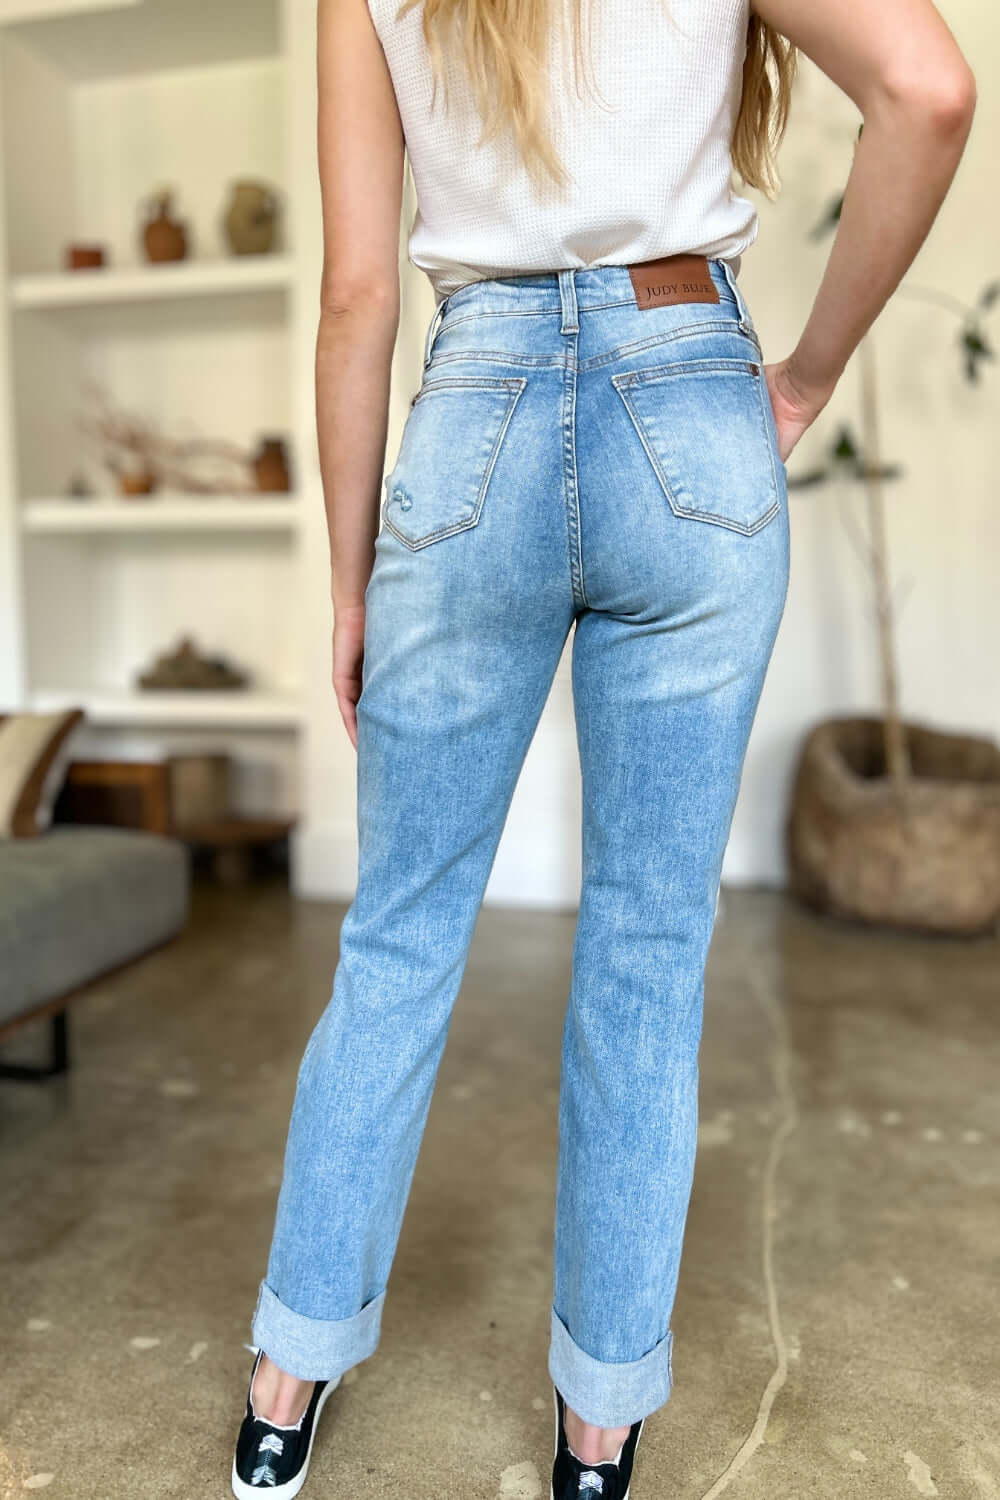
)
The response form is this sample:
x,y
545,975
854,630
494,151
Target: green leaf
x,y
975,342
810,478
844,449
829,220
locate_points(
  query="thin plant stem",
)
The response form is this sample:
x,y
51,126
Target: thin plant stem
x,y
897,761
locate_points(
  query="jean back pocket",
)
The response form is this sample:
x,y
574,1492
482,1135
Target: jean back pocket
x,y
447,453
709,437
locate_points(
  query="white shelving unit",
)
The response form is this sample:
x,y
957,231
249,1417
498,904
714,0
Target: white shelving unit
x,y
161,512
97,285
103,103
240,710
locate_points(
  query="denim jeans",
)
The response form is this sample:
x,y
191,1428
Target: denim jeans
x,y
570,460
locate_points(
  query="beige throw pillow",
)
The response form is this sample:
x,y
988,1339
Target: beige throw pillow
x,y
34,757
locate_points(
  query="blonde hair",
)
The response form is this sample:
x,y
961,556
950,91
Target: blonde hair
x,y
503,44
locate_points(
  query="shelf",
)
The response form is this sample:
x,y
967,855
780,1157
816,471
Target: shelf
x,y
107,103
162,513
98,285
122,38
236,709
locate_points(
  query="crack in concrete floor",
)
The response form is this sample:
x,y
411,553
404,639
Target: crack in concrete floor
x,y
781,1072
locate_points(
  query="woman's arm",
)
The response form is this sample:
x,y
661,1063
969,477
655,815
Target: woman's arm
x,y
360,145
901,65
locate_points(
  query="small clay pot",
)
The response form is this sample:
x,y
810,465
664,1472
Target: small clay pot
x,y
270,465
163,237
136,481
82,257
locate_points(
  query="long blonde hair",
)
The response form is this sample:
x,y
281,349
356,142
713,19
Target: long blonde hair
x,y
503,44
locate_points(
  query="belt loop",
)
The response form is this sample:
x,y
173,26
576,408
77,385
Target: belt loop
x,y
567,298
432,329
746,322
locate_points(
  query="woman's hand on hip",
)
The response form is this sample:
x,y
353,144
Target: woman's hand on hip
x,y
348,659
794,408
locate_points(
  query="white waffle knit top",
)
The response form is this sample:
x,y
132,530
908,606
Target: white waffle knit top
x,y
648,156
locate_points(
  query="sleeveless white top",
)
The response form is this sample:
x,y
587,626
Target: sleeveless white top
x,y
648,157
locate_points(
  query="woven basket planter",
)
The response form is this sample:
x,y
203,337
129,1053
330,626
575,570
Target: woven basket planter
x,y
925,856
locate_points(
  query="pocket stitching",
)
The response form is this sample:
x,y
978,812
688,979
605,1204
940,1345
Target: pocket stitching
x,y
514,385
650,375
477,382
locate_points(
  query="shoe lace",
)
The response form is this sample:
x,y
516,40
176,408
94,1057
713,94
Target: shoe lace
x,y
589,1480
269,1449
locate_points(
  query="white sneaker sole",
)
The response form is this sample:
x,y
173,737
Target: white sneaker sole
x,y
244,1491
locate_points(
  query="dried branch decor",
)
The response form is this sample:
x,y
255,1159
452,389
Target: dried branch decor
x,y
131,446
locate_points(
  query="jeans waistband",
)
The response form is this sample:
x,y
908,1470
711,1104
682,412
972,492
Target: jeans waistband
x,y
568,292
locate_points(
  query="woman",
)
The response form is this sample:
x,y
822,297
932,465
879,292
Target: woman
x,y
597,443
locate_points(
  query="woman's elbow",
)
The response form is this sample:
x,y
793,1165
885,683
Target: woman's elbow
x,y
341,293
953,101
946,100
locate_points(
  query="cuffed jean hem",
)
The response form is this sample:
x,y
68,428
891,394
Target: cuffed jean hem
x,y
609,1395
314,1348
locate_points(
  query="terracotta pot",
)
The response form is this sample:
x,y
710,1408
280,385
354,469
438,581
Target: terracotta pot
x,y
163,238
136,482
270,465
925,856
83,257
251,219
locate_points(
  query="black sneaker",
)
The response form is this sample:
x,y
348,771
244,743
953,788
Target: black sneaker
x,y
572,1479
271,1458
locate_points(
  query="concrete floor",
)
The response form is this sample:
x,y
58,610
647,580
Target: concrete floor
x,y
836,1319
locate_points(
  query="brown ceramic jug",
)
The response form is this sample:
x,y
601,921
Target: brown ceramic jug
x,y
163,237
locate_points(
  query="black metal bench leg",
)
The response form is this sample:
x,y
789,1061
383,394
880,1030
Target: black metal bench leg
x,y
58,1057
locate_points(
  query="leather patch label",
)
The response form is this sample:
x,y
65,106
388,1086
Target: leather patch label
x,y
672,279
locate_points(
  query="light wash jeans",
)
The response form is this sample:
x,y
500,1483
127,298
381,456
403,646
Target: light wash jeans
x,y
569,461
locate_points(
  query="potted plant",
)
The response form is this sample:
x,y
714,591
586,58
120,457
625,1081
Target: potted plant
x,y
893,822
